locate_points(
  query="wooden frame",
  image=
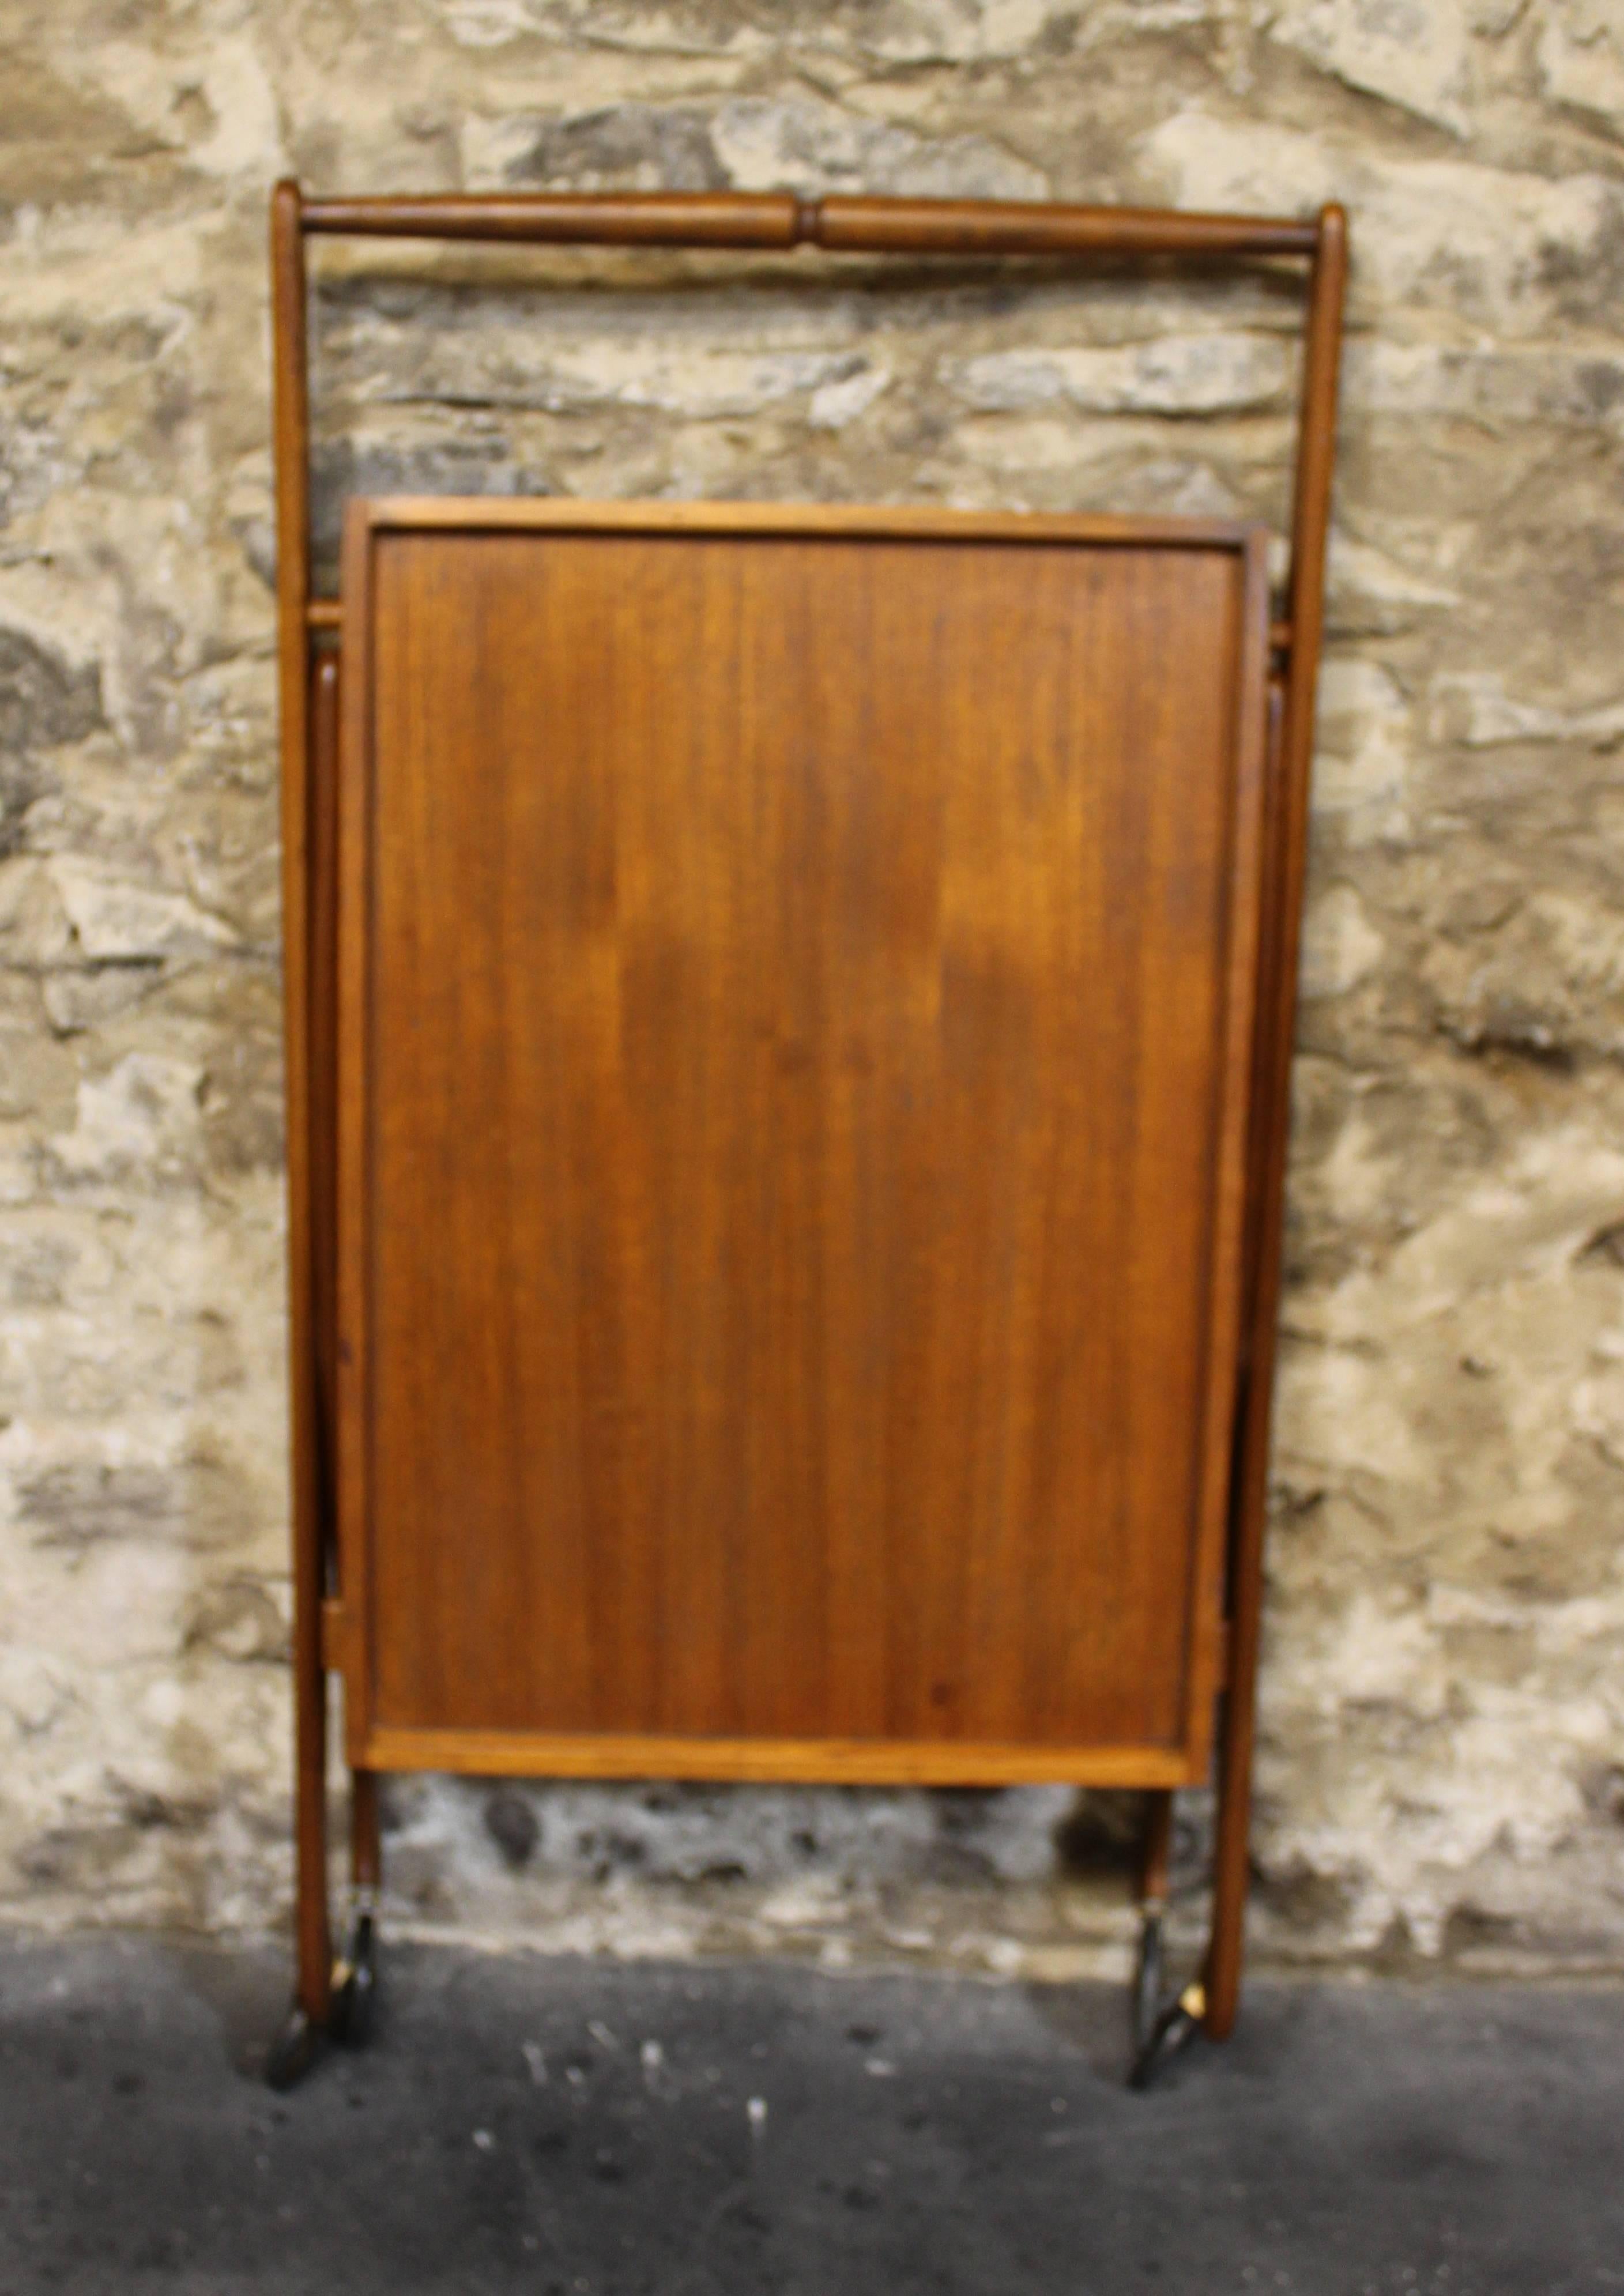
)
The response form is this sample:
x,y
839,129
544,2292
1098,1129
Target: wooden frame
x,y
328,1633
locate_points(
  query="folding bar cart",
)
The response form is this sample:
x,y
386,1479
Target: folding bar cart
x,y
789,1017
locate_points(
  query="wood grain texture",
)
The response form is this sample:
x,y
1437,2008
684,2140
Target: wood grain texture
x,y
796,990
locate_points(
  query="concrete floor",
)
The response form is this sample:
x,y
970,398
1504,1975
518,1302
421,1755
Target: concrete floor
x,y
574,2128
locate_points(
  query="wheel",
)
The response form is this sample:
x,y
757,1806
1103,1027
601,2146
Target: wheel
x,y
294,2051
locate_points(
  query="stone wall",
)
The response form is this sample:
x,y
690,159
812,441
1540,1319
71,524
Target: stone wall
x,y
1442,1763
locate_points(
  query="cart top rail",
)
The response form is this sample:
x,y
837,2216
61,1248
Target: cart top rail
x,y
839,224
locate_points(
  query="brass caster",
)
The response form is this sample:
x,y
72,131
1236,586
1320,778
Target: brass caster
x,y
297,2049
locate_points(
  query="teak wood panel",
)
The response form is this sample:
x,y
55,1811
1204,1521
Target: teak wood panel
x,y
797,979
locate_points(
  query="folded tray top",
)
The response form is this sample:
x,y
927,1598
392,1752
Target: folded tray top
x,y
797,983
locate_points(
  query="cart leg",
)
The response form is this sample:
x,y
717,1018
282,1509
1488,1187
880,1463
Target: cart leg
x,y
1175,2026
1161,2028
1231,1864
1152,1908
355,1974
366,1857
301,2039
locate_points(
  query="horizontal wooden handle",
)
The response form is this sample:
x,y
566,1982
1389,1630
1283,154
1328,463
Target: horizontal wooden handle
x,y
743,219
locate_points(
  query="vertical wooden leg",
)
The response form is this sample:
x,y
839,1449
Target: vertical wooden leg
x,y
1290,755
355,1977
364,1855
1153,1907
304,2036
1162,2027
315,1932
303,2039
1156,1848
1231,1861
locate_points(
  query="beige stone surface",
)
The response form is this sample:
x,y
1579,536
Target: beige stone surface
x,y
1441,1769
